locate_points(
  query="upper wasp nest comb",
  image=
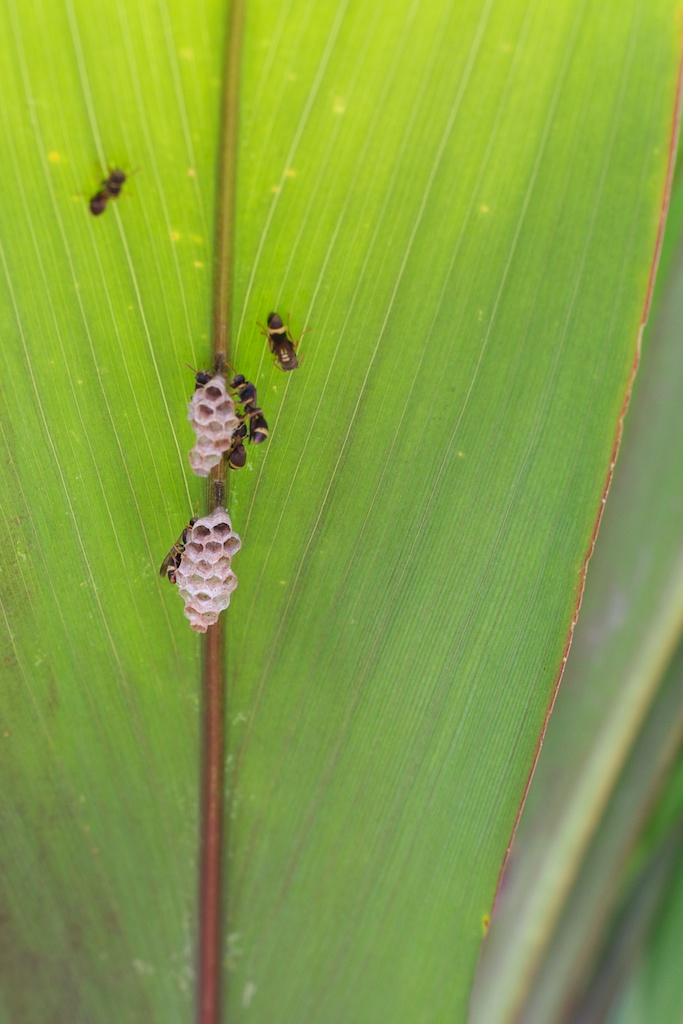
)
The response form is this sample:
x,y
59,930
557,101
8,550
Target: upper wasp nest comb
x,y
204,576
212,414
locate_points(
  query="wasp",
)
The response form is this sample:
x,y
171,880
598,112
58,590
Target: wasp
x,y
110,189
171,563
246,396
237,453
245,390
258,428
281,343
202,378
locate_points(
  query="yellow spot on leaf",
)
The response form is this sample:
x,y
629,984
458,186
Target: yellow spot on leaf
x,y
54,158
174,236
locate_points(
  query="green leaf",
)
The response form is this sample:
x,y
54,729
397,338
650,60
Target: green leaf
x,y
617,724
438,193
612,986
569,956
651,989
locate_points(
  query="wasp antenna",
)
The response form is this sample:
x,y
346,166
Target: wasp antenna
x,y
117,167
191,368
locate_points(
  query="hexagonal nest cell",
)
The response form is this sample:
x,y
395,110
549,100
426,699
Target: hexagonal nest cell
x,y
204,576
212,414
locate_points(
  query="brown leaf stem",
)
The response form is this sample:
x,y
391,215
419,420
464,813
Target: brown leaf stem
x,y
213,675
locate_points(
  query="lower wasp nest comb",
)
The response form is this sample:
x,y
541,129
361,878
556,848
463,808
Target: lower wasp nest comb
x,y
204,576
212,414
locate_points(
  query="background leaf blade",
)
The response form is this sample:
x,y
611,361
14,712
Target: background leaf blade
x,y
395,684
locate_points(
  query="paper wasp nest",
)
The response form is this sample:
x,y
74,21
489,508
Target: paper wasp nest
x,y
212,414
204,576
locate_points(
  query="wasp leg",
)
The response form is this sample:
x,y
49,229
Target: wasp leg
x,y
295,344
